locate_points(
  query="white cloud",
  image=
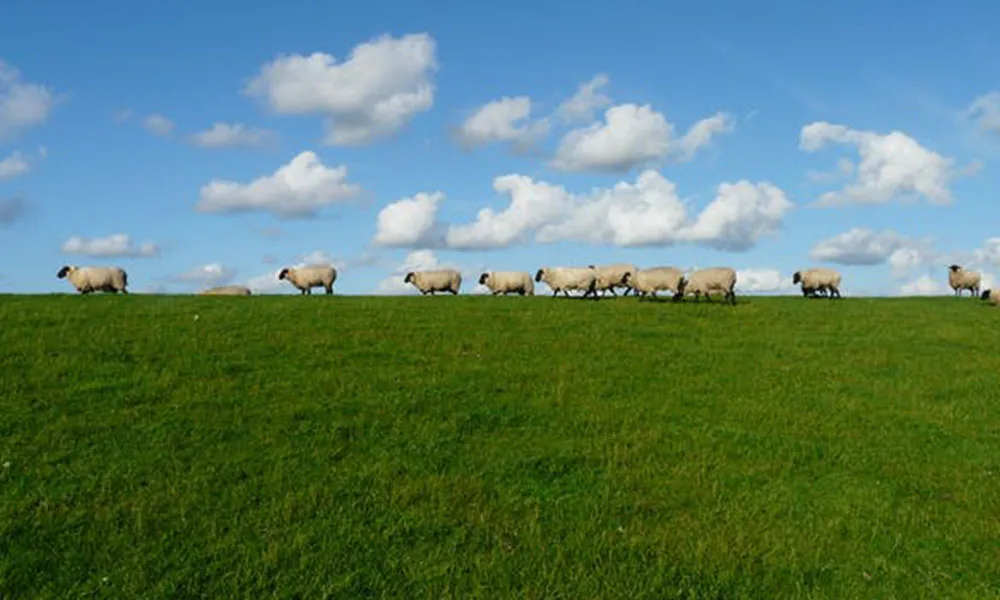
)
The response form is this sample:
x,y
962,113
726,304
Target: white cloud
x,y
409,222
762,281
893,166
504,120
208,275
989,253
266,283
381,86
158,124
118,244
586,100
647,212
631,136
224,135
420,260
924,285
13,166
11,209
298,189
864,247
985,111
22,105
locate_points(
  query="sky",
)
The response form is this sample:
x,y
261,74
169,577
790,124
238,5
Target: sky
x,y
211,143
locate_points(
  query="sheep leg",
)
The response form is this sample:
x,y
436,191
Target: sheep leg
x,y
329,289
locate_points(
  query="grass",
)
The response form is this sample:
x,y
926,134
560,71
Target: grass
x,y
460,447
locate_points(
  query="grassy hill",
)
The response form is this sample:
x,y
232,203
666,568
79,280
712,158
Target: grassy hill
x,y
167,447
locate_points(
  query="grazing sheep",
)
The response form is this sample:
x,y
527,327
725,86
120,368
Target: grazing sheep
x,y
503,282
611,276
650,281
706,281
818,280
959,279
310,276
95,279
226,290
564,279
992,295
440,280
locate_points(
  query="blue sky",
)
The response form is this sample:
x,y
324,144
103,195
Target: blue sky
x,y
219,141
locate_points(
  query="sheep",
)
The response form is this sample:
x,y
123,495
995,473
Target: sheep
x,y
503,282
959,279
706,281
440,280
564,279
310,276
95,279
993,296
611,276
650,281
818,280
226,290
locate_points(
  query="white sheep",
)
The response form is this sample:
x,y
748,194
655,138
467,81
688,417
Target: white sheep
x,y
611,276
993,296
818,280
656,279
704,282
439,280
564,279
226,290
959,279
504,282
310,276
95,279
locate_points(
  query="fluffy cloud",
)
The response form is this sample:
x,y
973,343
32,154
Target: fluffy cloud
x,y
630,136
582,105
383,84
504,120
762,281
208,275
13,166
410,222
893,166
864,247
22,105
158,124
924,285
119,245
224,135
990,252
647,212
11,209
985,111
298,189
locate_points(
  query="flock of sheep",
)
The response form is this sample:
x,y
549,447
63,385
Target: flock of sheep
x,y
590,280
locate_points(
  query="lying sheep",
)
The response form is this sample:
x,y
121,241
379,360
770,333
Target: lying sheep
x,y
504,282
95,279
226,290
310,276
704,282
611,276
440,280
992,295
564,279
959,279
818,280
656,279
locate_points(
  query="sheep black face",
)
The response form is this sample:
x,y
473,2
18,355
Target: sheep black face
x,y
954,268
409,277
538,275
283,274
63,272
626,277
483,278
985,295
796,278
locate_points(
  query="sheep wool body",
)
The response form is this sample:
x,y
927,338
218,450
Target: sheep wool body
x,y
991,296
814,280
959,279
310,276
226,290
707,281
611,276
656,279
505,282
564,279
439,280
95,279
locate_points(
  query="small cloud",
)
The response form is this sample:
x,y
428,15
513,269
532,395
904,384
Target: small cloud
x,y
118,245
224,135
158,124
208,275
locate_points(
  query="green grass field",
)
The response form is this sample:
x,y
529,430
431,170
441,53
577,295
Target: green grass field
x,y
311,447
